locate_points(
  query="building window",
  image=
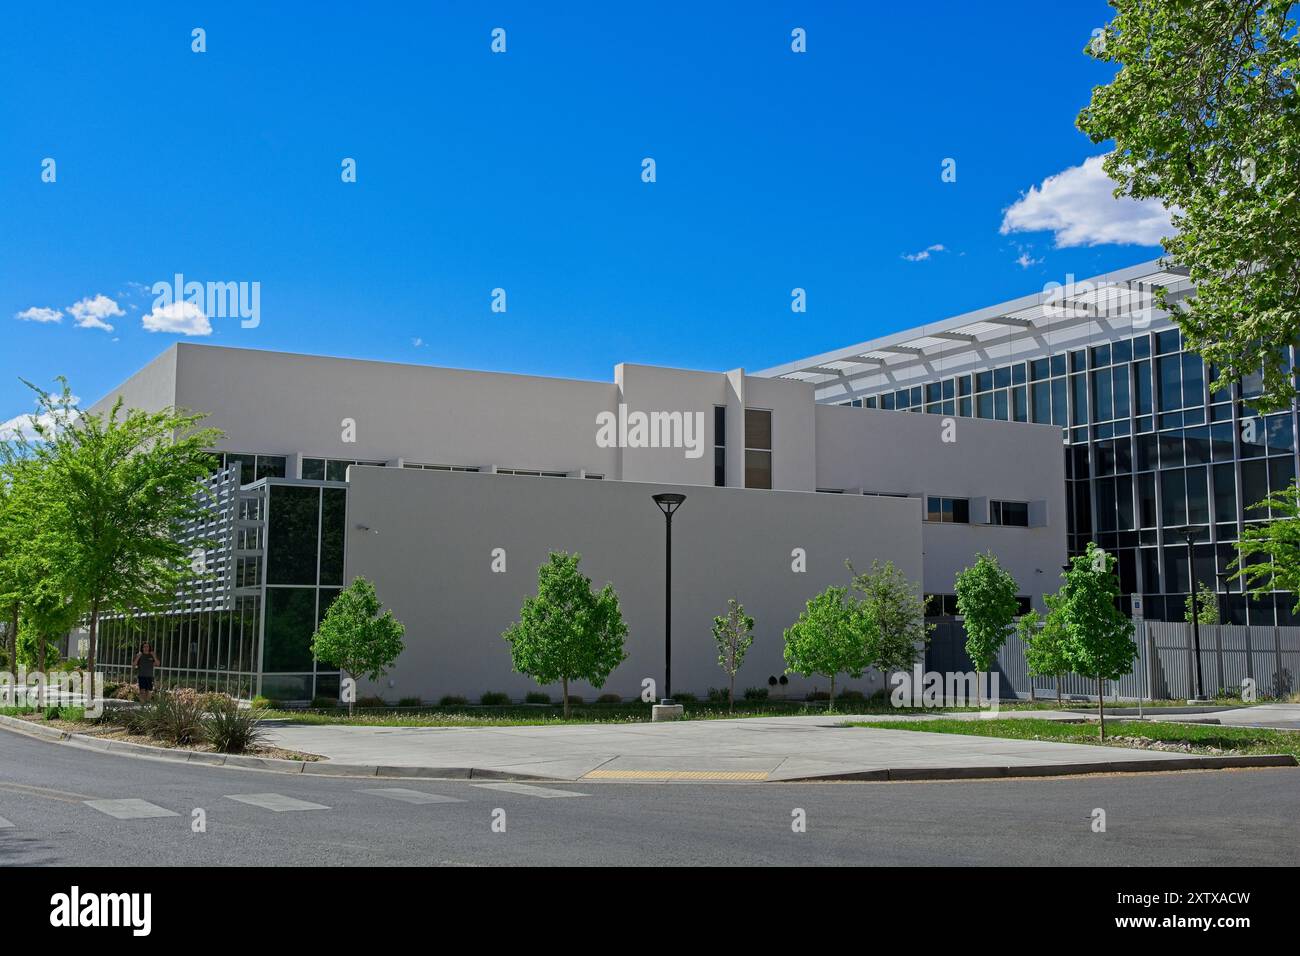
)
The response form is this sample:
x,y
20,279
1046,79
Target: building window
x,y
410,464
253,467
758,448
948,510
720,446
1012,513
529,473
330,469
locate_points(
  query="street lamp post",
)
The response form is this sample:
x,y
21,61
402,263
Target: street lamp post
x,y
1189,534
668,502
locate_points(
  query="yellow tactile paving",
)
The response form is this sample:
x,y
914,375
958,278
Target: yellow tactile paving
x,y
676,775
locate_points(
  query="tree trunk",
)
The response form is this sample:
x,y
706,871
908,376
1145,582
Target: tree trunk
x,y
40,664
352,698
88,688
979,689
1032,698
13,648
830,704
731,695
1058,690
566,698
1101,709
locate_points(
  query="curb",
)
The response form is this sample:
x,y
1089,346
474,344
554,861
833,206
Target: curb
x,y
1191,762
331,769
272,764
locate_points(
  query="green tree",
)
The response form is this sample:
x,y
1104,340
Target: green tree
x,y
1268,553
120,489
1098,637
1044,643
986,598
12,530
355,637
1205,118
1205,605
830,637
733,633
898,610
567,631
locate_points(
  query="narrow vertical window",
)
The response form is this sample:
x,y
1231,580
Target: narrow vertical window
x,y
720,445
758,448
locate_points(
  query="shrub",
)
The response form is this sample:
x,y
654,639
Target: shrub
x,y
494,699
260,702
175,717
126,692
717,695
851,695
409,702
134,720
52,713
110,689
685,697
609,699
231,730
537,697
373,700
575,700
452,700
755,693
324,703
818,695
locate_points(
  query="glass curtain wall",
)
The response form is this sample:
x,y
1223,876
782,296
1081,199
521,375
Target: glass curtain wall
x,y
1148,449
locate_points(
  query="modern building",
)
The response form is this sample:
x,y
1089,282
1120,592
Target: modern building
x,y
1149,448
448,488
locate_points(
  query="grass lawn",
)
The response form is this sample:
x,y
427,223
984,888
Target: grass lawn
x,y
1188,738
521,715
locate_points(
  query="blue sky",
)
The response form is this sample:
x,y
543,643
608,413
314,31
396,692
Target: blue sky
x,y
522,171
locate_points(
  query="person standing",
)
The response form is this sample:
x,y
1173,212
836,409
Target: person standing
x,y
144,665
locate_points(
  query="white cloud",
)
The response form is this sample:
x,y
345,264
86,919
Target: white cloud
x,y
1078,207
90,313
1025,260
924,253
25,425
36,314
183,318
417,342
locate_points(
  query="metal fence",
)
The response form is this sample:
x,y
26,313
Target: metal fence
x,y
1164,669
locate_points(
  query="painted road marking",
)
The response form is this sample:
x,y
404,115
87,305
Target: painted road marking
x,y
529,791
411,796
676,775
131,809
274,801
4,824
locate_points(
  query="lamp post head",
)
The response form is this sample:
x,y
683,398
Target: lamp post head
x,y
669,501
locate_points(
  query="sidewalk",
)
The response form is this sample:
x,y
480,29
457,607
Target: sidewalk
x,y
751,749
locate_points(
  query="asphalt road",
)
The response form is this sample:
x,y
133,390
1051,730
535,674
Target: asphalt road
x,y
1198,819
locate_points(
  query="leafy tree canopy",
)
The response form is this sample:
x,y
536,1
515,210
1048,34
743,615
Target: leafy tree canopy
x,y
567,631
898,610
1205,117
986,599
830,637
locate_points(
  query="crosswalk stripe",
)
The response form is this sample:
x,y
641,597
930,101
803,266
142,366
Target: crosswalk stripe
x,y
129,809
275,801
4,824
529,791
411,796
